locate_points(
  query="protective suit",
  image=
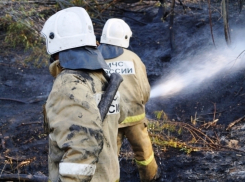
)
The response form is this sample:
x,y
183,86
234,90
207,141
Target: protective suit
x,y
135,90
81,146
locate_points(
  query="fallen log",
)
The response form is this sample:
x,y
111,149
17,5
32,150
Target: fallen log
x,y
23,177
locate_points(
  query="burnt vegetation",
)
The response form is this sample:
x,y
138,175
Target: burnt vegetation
x,y
198,144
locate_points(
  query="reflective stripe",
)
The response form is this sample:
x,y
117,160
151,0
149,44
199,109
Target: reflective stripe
x,y
131,119
146,162
76,169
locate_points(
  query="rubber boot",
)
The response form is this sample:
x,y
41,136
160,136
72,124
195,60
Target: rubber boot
x,y
141,144
157,176
148,173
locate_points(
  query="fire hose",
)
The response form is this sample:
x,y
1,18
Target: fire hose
x,y
114,82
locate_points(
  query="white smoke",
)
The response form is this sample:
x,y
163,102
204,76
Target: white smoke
x,y
202,67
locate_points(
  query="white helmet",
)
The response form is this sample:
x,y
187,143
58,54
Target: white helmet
x,y
68,28
116,32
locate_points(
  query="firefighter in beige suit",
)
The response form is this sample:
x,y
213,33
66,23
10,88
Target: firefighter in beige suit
x,y
82,147
135,91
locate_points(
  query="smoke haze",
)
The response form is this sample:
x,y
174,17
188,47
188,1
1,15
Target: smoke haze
x,y
204,66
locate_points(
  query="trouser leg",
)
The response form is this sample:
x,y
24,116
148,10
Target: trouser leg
x,y
141,144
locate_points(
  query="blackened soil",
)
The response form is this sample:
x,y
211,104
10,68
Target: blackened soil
x,y
221,98
23,90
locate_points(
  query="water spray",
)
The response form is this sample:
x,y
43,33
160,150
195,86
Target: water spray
x,y
205,66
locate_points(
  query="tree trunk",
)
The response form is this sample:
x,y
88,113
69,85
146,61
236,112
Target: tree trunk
x,y
225,19
210,21
171,23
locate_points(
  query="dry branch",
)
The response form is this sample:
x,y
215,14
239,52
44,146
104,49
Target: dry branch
x,y
210,124
200,132
239,91
234,122
35,122
24,163
229,148
238,57
19,159
200,141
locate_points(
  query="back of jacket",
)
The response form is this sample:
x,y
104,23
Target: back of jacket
x,y
135,88
108,165
82,148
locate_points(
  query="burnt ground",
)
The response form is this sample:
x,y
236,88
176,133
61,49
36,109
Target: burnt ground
x,y
21,119
24,88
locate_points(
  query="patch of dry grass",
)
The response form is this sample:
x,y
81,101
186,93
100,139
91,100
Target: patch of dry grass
x,y
187,137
